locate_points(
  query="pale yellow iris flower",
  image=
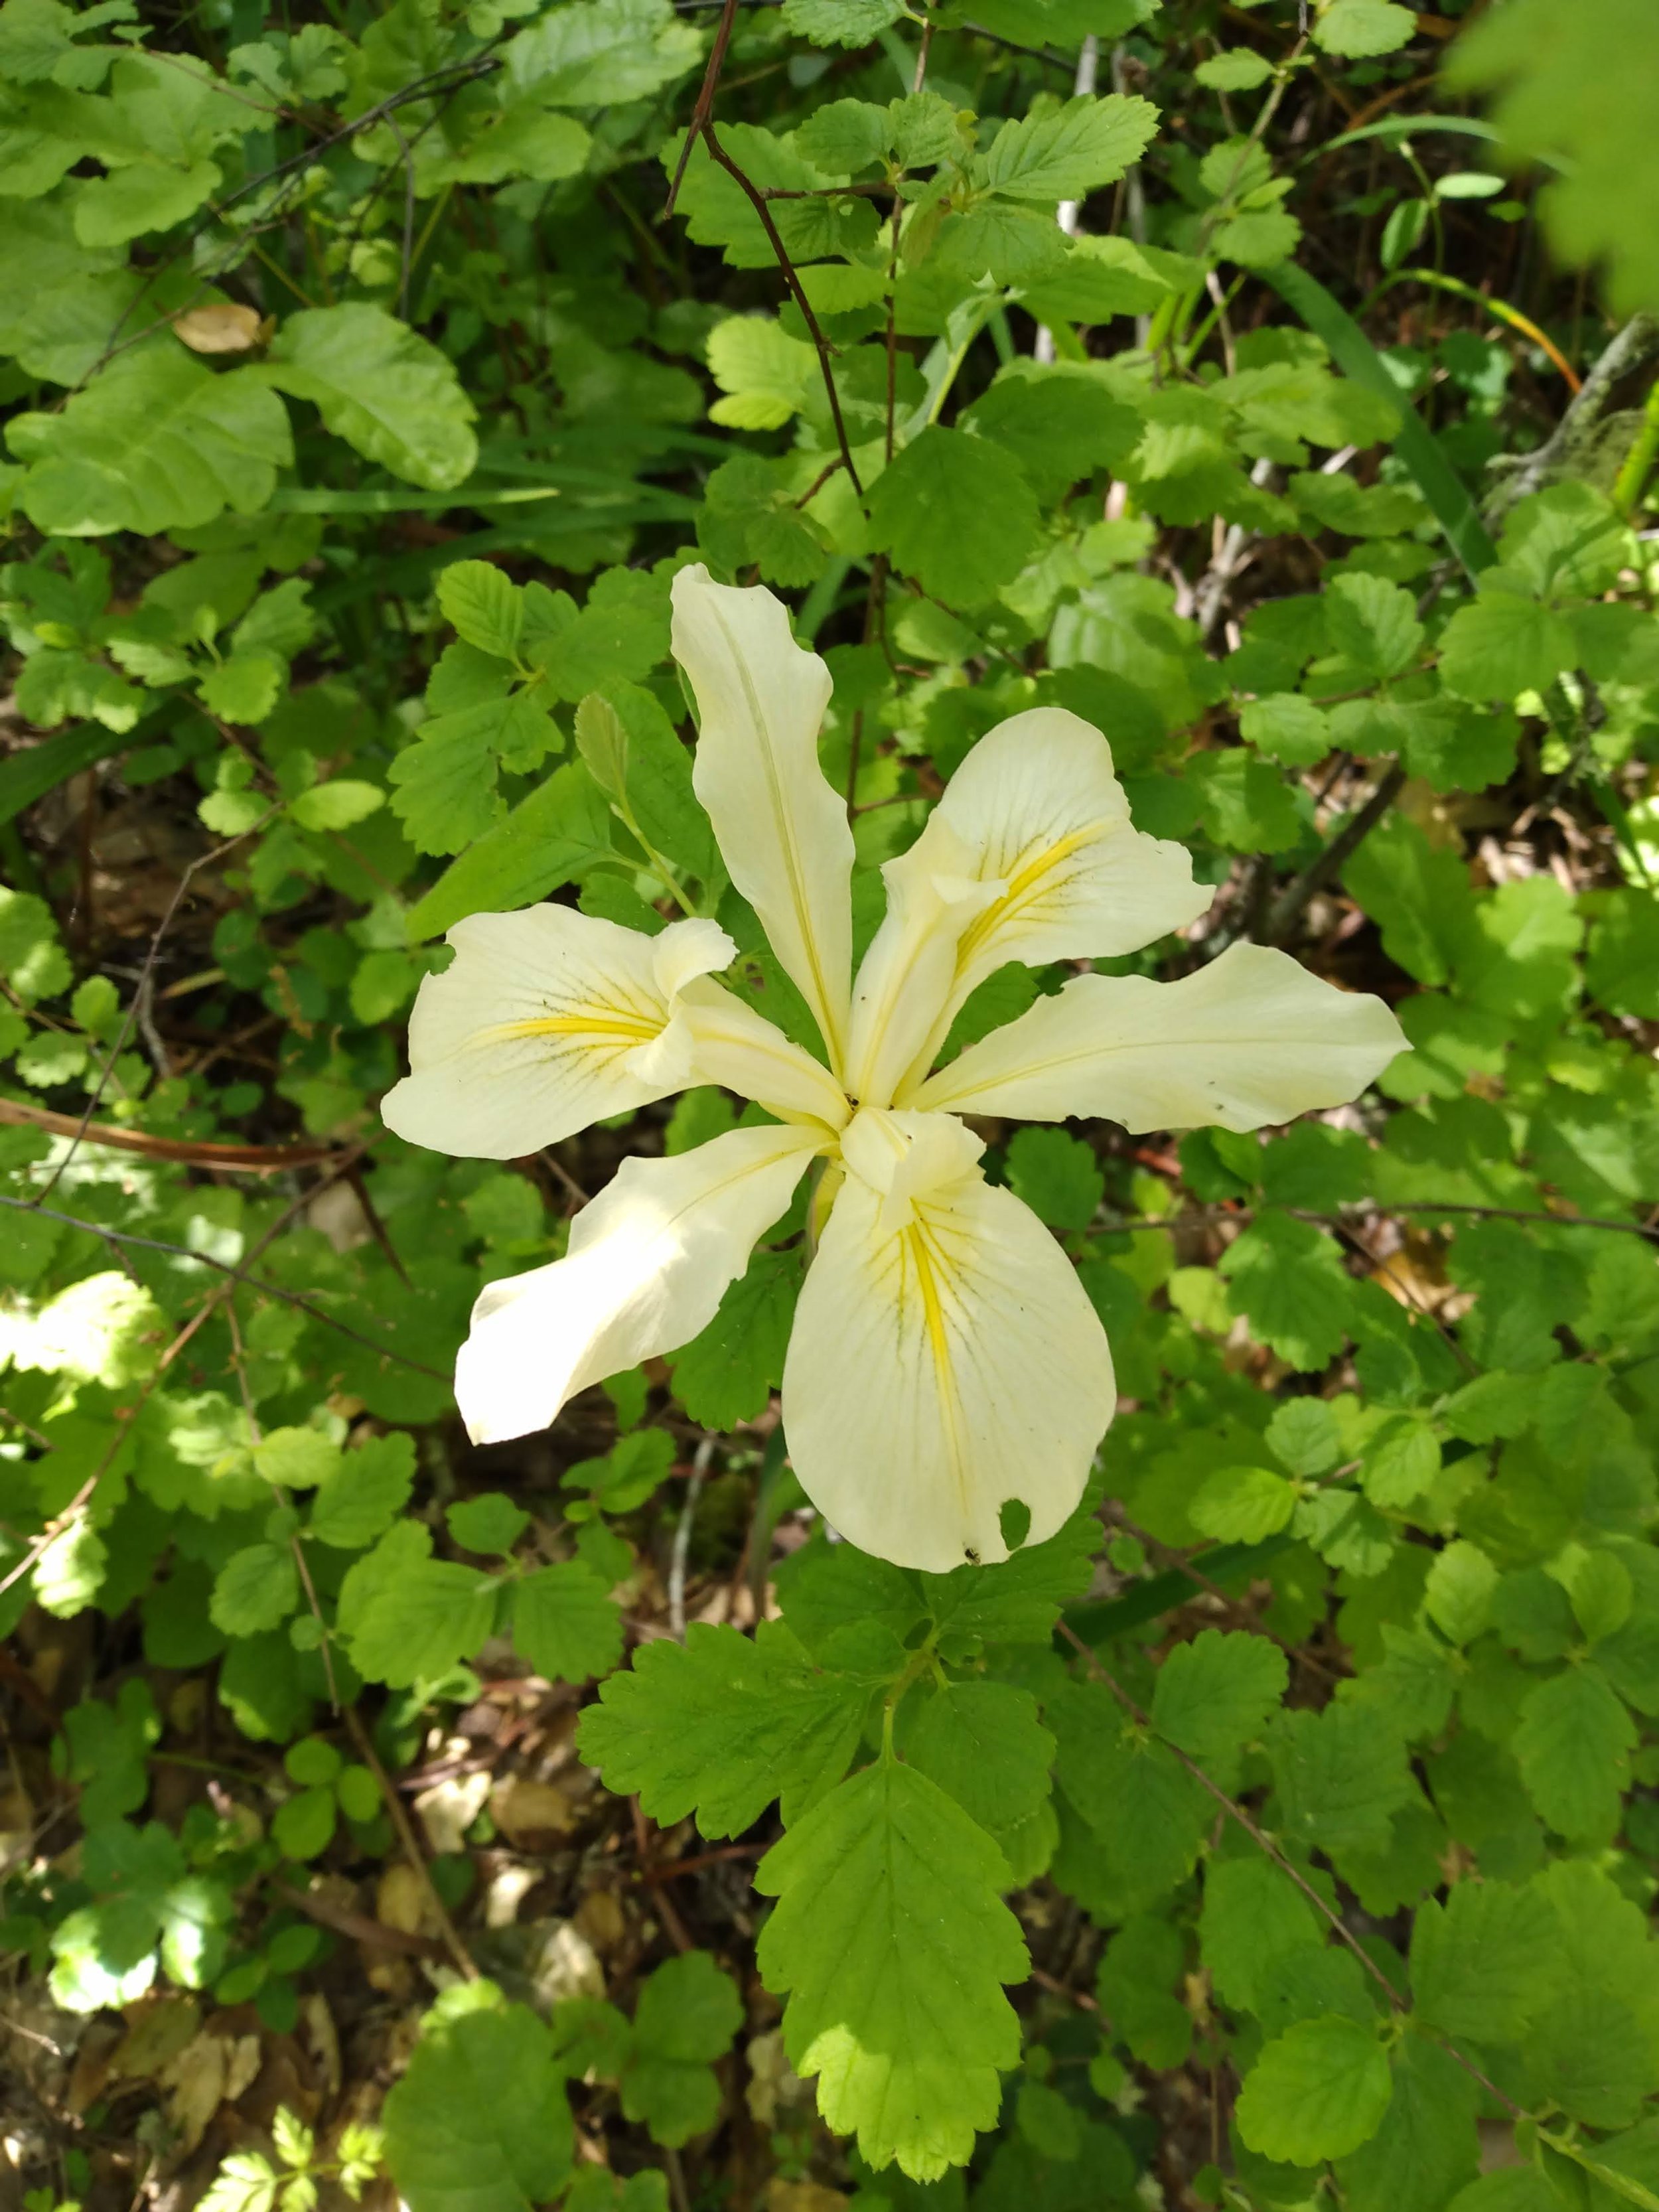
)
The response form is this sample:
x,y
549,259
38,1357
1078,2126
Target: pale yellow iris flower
x,y
945,1359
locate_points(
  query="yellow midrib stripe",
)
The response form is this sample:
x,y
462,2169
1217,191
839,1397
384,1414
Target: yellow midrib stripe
x,y
1022,887
938,1339
825,1010
616,1027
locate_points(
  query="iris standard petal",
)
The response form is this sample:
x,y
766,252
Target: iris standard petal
x,y
782,831
939,1369
544,1021
906,978
728,1042
1039,806
1251,1040
649,1261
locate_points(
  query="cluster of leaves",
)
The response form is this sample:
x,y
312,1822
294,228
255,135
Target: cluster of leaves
x,y
360,416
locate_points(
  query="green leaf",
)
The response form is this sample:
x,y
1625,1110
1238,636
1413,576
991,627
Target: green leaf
x,y
1058,1176
1060,427
1318,2092
1235,69
1594,2046
1148,1814
1287,1278
155,443
1401,1461
479,2122
1069,152
687,2013
840,22
562,827
983,1744
1254,1917
384,389
721,1726
490,1522
409,1617
1499,644
1572,1743
564,1623
1214,1695
1016,1601
1565,92
1373,624
1341,1775
1428,2145
1480,1962
367,1487
1242,1505
888,1917
958,514
1288,727
1136,1983
658,779
766,376
256,1589
1457,1596
338,803
728,1373
600,51
483,605
1243,802
1621,967
1359,29
846,136
296,1459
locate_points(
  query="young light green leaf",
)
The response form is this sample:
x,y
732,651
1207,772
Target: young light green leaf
x,y
380,385
1070,152
888,1916
357,1500
485,606
1318,2092
1214,1695
407,1617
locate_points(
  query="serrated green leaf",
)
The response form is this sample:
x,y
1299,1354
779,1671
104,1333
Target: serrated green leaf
x,y
1480,1962
256,1589
480,2122
687,2015
565,1624
155,443
721,1726
892,1943
1318,2092
387,391
407,1617
984,1745
1214,1695
1069,152
1572,1744
728,1373
958,514
1341,1774
357,1500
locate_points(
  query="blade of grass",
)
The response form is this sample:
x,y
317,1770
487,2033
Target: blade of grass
x,y
1226,1564
1356,357
28,776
